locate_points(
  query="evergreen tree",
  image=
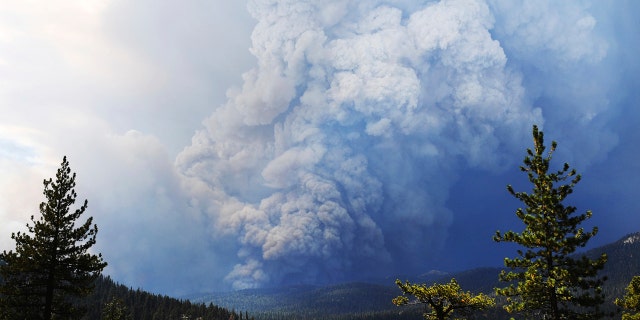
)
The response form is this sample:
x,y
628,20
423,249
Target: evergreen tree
x,y
51,266
115,310
442,299
631,300
546,280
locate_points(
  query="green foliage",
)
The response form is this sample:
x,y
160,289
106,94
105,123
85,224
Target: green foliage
x,y
631,300
115,310
546,280
51,263
442,299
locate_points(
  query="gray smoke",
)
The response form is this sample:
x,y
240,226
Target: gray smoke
x,y
339,151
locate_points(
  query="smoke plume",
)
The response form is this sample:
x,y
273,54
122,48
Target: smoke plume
x,y
336,156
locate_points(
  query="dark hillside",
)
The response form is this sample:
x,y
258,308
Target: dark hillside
x,y
477,280
143,305
357,300
373,301
146,306
622,265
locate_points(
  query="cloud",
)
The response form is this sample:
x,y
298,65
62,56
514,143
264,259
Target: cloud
x,y
23,163
72,83
568,68
331,136
334,154
148,230
342,145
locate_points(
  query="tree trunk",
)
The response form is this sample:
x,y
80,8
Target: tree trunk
x,y
51,281
48,304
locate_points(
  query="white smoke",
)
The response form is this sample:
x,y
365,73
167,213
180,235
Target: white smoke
x,y
339,150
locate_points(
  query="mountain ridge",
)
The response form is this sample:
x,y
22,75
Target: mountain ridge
x,y
372,300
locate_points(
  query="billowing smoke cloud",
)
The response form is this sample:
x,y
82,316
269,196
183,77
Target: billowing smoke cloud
x,y
371,138
339,150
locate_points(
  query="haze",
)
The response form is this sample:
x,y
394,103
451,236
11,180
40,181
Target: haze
x,y
232,144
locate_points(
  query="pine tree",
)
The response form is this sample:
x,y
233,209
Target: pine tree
x,y
631,300
546,279
442,300
115,310
51,266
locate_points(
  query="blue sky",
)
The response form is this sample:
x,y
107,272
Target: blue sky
x,y
244,144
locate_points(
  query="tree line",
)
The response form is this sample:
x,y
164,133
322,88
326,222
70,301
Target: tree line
x,y
111,300
546,280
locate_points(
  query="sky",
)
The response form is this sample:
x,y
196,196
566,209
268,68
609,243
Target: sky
x,y
242,144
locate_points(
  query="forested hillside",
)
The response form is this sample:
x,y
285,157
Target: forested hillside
x,y
343,301
142,305
623,264
373,301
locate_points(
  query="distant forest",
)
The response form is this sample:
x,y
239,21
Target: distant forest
x,y
368,301
142,305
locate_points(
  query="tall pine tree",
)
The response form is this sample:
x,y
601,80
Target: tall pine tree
x,y
51,266
547,279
